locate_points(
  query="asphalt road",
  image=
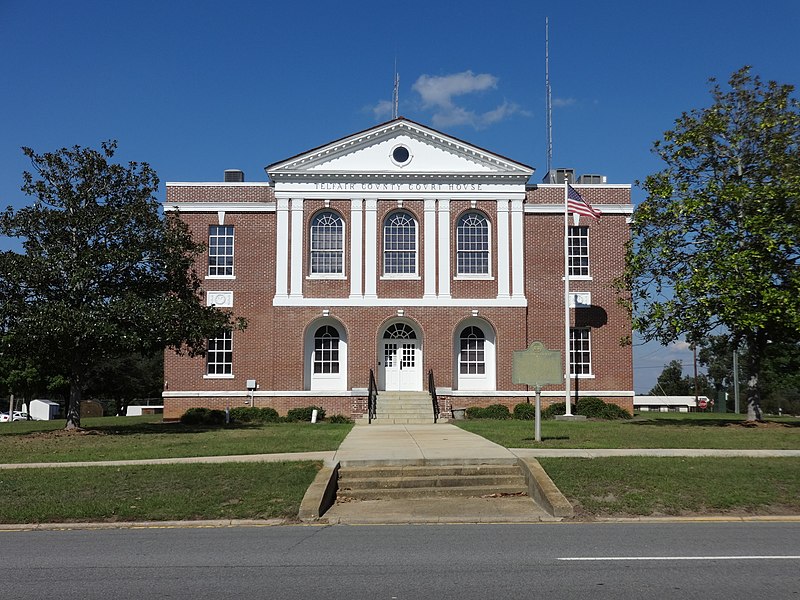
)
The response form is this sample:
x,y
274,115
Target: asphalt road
x,y
597,561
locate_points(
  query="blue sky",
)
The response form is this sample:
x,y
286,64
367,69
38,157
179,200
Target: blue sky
x,y
198,87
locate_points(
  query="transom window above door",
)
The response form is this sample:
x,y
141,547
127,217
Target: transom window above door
x,y
399,331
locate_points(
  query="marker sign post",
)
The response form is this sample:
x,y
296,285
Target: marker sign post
x,y
537,366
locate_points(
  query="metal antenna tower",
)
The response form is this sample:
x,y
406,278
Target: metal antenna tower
x,y
396,93
548,93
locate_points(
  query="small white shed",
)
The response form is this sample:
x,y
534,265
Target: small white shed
x,y
43,410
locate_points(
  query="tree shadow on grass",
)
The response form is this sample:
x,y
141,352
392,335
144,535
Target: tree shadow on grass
x,y
711,423
547,438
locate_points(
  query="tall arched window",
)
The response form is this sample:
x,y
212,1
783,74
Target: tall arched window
x,y
400,244
327,244
472,358
326,350
472,241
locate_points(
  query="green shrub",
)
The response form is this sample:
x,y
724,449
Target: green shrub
x,y
251,414
493,411
525,411
304,413
340,419
590,407
203,416
557,408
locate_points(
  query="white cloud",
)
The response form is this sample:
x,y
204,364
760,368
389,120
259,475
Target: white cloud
x,y
382,110
439,93
562,102
678,347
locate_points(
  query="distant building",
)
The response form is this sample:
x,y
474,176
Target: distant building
x,y
407,252
669,403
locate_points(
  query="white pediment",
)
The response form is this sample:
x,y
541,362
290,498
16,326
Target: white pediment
x,y
398,149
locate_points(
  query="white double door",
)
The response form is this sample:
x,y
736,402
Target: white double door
x,y
402,365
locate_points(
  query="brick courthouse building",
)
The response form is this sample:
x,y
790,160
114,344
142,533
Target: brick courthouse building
x,y
406,251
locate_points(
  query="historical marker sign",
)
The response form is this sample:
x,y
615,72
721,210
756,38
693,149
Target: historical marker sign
x,y
537,366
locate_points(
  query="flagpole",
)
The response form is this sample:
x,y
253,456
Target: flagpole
x,y
566,299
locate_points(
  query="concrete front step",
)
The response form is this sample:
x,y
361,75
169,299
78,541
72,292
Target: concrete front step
x,y
396,421
434,481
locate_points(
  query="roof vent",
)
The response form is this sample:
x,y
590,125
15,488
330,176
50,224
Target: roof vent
x,y
234,176
595,179
560,176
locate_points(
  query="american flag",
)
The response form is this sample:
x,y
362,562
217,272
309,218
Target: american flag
x,y
576,204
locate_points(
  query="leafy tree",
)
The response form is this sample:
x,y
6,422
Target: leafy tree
x,y
126,378
715,245
103,274
672,382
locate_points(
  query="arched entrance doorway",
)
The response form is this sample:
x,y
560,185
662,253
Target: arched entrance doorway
x,y
400,358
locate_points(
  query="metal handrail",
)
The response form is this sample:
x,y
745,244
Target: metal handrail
x,y
372,397
434,397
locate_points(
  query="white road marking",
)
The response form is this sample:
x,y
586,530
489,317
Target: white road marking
x,y
626,558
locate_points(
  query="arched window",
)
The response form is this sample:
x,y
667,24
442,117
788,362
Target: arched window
x,y
327,244
472,358
400,244
399,331
326,350
472,242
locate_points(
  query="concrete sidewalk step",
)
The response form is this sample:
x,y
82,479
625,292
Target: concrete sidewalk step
x,y
429,492
427,481
432,481
510,468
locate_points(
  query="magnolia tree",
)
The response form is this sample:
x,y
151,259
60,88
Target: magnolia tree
x,y
715,245
103,273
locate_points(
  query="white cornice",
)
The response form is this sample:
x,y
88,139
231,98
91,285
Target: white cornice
x,y
558,209
514,301
244,184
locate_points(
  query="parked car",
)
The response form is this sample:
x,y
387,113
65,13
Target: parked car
x,y
18,415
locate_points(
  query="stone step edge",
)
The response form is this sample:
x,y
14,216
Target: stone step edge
x,y
427,492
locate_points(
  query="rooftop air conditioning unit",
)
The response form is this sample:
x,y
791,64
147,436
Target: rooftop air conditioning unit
x,y
560,176
592,179
234,176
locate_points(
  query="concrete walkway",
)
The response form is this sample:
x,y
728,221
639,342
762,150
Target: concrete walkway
x,y
418,444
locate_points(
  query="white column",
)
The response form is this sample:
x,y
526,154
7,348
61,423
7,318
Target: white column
x,y
356,246
282,249
517,250
429,235
444,248
370,247
296,283
503,260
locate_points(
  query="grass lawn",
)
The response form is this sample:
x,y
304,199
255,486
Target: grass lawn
x,y
697,430
155,492
634,486
130,438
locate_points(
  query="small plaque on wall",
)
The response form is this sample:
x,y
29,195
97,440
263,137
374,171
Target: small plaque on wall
x,y
219,299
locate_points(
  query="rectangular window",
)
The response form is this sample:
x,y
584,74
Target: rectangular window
x,y
220,250
578,243
219,358
580,351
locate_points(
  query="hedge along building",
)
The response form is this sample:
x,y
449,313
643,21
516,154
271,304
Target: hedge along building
x,y
407,252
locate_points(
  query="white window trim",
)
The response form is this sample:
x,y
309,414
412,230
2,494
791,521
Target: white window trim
x,y
415,274
233,255
343,274
488,274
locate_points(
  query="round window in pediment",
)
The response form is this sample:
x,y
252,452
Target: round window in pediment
x,y
401,155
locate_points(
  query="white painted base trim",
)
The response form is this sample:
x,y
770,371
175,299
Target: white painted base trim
x,y
357,392
263,394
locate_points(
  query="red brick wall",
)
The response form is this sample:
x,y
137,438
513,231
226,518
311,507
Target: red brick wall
x,y
271,349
